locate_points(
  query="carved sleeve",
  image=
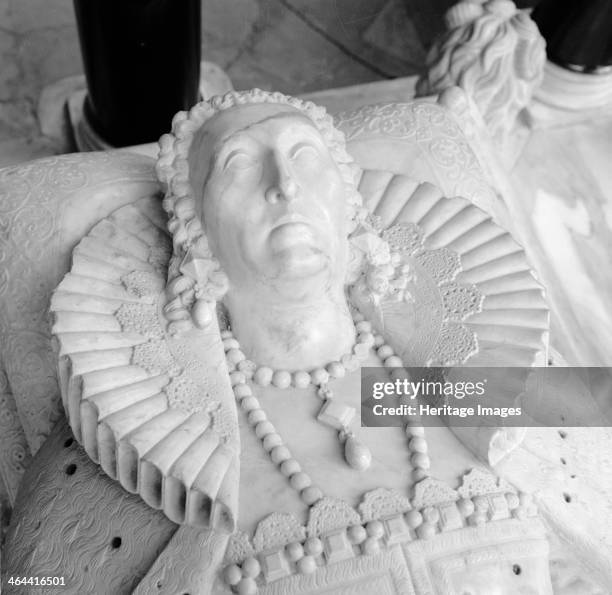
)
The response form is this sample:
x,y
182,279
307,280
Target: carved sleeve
x,y
45,207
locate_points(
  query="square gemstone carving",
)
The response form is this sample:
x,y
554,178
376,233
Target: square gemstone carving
x,y
337,547
396,530
275,566
498,507
336,415
450,518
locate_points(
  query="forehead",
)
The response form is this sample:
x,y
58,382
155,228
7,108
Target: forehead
x,y
247,120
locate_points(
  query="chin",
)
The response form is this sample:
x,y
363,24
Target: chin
x,y
303,276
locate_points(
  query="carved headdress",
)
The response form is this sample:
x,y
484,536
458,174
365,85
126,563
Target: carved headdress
x,y
195,280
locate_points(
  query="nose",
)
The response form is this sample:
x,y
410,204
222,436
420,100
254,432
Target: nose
x,y
283,186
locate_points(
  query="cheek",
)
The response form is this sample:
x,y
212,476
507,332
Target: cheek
x,y
332,196
241,201
218,223
210,223
232,223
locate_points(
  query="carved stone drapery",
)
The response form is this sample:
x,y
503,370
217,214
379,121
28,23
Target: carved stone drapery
x,y
74,522
39,227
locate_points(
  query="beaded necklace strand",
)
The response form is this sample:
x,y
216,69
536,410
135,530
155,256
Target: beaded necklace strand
x,y
243,578
336,415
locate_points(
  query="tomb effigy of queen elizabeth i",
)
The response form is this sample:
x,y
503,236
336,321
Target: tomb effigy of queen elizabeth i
x,y
209,363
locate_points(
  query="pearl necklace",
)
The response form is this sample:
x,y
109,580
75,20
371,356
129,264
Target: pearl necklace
x,y
335,415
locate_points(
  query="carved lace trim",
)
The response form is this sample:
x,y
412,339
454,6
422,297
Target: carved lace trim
x,y
276,530
329,514
434,271
239,548
336,532
143,284
478,482
381,503
431,491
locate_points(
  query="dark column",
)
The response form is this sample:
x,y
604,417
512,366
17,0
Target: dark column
x,y
142,64
578,33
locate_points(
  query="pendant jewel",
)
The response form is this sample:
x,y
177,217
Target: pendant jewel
x,y
333,413
357,454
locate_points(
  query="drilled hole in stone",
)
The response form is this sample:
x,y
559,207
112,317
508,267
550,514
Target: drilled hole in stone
x,y
68,443
573,476
563,461
116,543
159,584
567,498
563,434
70,469
516,569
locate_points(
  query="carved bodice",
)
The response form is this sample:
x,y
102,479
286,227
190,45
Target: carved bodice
x,y
124,543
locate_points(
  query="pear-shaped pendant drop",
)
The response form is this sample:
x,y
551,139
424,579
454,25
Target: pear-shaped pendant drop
x,y
357,454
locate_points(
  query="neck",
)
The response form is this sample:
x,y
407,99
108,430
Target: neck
x,y
291,335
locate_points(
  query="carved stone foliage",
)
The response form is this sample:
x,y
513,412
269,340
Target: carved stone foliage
x,y
495,53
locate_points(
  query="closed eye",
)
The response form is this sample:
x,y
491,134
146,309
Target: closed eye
x,y
304,153
239,160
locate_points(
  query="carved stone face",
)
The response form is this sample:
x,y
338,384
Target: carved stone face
x,y
274,201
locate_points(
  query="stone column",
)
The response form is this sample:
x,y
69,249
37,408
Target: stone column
x,y
142,65
578,33
578,73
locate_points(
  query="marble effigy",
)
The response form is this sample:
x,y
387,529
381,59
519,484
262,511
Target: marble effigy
x,y
235,424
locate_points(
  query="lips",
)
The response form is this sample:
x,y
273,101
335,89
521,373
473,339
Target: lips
x,y
290,218
291,233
